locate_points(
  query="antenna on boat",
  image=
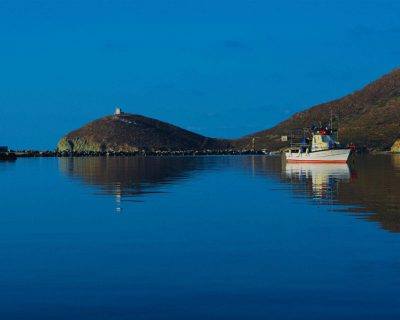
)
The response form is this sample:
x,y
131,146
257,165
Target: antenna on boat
x,y
331,120
291,138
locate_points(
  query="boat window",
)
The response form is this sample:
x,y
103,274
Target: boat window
x,y
325,139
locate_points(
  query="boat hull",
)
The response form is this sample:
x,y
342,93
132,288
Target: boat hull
x,y
325,156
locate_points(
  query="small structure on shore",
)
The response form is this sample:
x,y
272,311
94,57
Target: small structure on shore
x,y
117,111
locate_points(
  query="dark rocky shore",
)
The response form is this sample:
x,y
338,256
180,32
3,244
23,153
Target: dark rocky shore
x,y
48,154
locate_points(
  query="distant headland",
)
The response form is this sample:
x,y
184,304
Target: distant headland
x,y
368,118
130,133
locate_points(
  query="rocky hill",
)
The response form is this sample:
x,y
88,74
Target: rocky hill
x,y
369,117
130,133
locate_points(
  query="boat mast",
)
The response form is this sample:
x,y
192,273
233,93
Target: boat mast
x,y
337,131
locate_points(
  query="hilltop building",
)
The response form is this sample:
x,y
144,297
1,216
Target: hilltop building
x,y
117,111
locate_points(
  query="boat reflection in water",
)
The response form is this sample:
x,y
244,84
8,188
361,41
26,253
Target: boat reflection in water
x,y
369,188
323,178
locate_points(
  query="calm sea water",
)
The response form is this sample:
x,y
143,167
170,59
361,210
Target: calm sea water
x,y
199,238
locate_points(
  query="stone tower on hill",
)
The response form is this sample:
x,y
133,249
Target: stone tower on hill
x,y
117,111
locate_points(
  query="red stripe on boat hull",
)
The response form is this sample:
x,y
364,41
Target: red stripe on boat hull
x,y
316,161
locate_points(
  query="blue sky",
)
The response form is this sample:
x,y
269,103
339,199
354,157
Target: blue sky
x,y
220,68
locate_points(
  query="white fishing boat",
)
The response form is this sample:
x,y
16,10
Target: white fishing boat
x,y
322,148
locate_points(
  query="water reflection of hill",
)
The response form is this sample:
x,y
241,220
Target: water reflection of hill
x,y
370,187
377,190
130,176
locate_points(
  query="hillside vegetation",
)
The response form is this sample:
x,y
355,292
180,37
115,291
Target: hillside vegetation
x,y
369,117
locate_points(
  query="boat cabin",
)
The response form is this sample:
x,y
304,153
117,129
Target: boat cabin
x,y
316,139
323,141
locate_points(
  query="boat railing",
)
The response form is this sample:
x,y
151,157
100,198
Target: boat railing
x,y
299,144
